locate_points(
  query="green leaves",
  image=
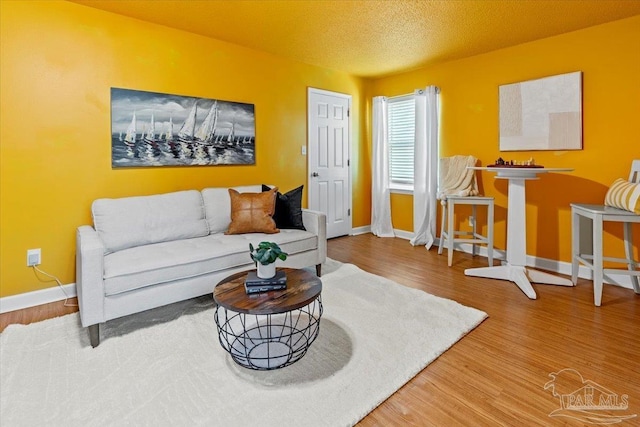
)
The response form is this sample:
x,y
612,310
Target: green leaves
x,y
266,253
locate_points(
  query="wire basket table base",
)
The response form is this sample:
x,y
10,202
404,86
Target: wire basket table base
x,y
268,341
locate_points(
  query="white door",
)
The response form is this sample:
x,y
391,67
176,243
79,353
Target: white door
x,y
329,186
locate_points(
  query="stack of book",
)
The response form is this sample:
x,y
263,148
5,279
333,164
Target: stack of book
x,y
254,284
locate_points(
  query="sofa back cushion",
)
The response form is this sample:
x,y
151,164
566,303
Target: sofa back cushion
x,y
135,221
217,206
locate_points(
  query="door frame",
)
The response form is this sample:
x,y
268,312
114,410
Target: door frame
x,y
349,98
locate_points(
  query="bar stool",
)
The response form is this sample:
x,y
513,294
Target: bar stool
x,y
586,240
466,181
450,236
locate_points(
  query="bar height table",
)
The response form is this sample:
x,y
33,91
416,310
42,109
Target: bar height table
x,y
515,269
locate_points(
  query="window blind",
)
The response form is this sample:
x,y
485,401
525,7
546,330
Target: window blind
x,y
401,130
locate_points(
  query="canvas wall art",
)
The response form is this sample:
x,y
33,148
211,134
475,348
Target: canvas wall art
x,y
157,129
542,114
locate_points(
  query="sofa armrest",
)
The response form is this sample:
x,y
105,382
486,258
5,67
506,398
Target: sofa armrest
x,y
316,222
89,275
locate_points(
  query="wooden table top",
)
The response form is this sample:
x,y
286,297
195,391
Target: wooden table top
x,y
302,288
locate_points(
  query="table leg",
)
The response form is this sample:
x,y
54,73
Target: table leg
x,y
576,250
515,269
517,223
628,250
598,274
512,273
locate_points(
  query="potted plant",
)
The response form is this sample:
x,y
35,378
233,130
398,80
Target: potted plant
x,y
265,256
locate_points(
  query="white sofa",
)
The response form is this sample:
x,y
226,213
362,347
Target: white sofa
x,y
145,252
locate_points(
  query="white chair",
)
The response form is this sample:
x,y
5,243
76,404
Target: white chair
x,y
586,241
449,236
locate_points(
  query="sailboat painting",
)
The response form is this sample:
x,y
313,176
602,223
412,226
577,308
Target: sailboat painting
x,y
157,129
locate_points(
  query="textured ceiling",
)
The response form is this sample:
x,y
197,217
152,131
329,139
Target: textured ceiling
x,y
374,38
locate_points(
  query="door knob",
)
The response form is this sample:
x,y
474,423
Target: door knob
x,y
315,174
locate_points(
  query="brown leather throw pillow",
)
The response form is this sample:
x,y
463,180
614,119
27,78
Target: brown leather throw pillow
x,y
252,212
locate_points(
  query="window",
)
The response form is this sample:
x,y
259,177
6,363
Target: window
x,y
401,128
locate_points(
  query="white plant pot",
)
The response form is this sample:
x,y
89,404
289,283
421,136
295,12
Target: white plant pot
x,y
266,271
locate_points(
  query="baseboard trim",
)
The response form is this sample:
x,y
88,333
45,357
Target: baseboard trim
x,y
49,295
35,298
554,266
562,267
360,230
403,234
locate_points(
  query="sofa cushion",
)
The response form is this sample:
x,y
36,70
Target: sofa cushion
x,y
288,212
252,212
149,265
217,206
134,221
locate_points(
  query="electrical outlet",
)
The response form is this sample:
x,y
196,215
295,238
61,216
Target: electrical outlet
x,y
304,150
34,257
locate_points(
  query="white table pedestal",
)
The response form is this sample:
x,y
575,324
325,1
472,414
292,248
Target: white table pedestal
x,y
515,269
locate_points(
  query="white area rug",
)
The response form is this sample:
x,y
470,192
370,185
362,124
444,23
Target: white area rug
x,y
166,366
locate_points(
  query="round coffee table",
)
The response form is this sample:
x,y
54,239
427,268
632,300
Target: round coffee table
x,y
268,330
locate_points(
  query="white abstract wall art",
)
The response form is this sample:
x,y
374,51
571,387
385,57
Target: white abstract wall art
x,y
542,114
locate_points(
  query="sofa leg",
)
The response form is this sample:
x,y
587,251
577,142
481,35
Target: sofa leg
x,y
318,270
94,335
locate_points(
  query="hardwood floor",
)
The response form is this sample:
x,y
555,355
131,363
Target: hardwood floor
x,y
38,313
495,375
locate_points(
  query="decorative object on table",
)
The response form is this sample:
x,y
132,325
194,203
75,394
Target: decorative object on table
x,y
265,256
542,114
157,129
501,163
254,284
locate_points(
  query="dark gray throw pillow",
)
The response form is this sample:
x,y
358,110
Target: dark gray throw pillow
x,y
288,213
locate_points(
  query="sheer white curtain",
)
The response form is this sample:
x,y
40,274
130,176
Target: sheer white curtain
x,y
425,184
380,195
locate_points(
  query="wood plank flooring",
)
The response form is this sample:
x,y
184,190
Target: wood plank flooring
x,y
494,376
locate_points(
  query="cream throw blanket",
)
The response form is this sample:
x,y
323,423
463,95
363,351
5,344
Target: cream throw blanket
x,y
455,178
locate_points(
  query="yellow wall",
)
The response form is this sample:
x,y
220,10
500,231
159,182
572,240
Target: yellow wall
x,y
609,57
59,61
55,122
